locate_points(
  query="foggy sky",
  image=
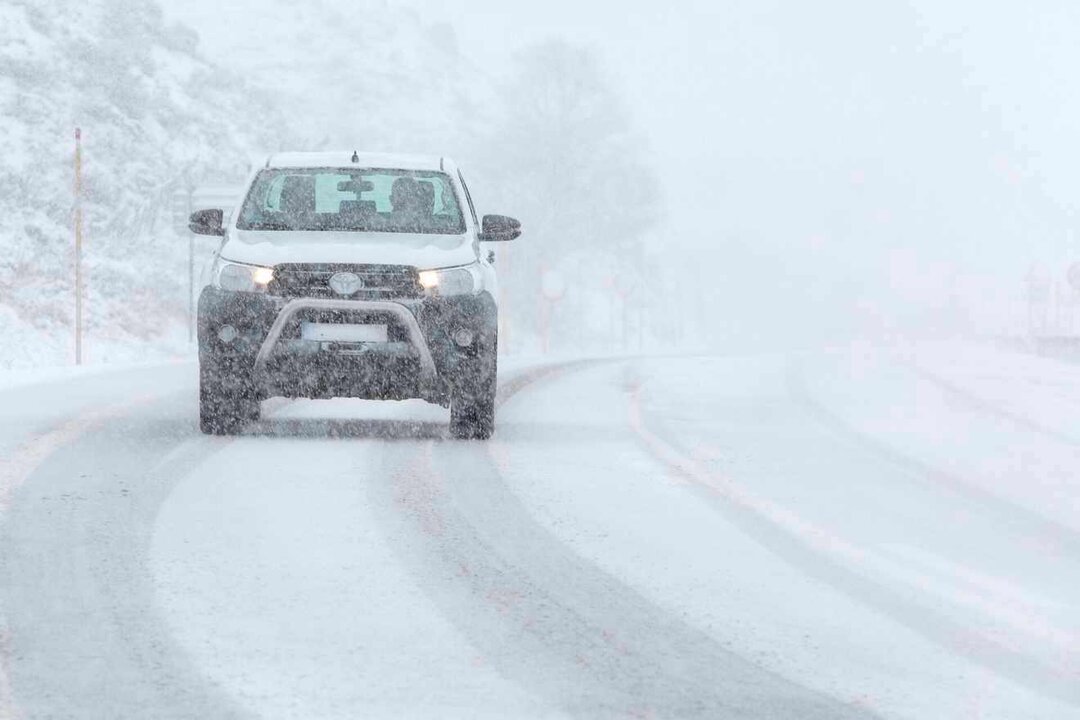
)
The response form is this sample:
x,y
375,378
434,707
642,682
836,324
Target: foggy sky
x,y
703,77
887,159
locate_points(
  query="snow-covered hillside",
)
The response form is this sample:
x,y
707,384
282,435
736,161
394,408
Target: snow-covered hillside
x,y
366,75
155,116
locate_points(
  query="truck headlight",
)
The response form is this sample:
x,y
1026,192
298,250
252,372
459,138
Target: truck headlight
x,y
463,280
237,277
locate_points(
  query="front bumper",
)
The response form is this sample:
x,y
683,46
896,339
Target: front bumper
x,y
421,360
293,308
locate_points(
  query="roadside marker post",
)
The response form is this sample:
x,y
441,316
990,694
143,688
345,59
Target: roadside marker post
x,y
620,294
189,191
552,289
78,249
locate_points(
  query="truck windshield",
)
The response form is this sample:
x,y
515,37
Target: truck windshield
x,y
394,201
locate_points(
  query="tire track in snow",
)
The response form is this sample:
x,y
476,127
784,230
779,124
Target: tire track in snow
x,y
35,455
8,709
553,621
84,624
21,462
1038,529
981,405
829,558
16,466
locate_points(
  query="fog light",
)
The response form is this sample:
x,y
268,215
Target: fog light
x,y
464,337
227,334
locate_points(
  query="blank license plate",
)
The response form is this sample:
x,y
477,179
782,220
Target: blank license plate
x,y
340,332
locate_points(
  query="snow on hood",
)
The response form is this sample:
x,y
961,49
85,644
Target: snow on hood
x,y
275,247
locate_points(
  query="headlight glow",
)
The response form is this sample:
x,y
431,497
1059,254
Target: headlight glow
x,y
243,278
263,275
463,280
429,279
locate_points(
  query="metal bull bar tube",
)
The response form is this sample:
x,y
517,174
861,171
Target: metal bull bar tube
x,y
416,338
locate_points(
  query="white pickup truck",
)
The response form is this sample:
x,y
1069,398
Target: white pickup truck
x,y
351,275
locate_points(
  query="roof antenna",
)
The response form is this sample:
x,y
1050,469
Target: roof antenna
x,y
355,157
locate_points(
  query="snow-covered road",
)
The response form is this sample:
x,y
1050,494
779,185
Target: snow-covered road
x,y
872,532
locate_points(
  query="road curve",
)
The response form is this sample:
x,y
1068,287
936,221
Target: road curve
x,y
348,558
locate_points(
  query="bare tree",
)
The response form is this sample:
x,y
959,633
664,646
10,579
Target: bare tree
x,y
562,155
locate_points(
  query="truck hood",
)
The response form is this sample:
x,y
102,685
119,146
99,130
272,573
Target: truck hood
x,y
421,251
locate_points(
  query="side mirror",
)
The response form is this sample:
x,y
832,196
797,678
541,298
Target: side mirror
x,y
499,228
207,222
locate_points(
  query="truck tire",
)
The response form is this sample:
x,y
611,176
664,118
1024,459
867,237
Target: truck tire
x,y
472,406
227,402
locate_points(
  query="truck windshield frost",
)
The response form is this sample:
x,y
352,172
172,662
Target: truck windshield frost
x,y
388,201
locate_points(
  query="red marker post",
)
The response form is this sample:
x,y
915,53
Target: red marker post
x,y
1073,276
621,291
78,249
552,288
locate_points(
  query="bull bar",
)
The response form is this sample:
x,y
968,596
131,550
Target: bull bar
x,y
400,312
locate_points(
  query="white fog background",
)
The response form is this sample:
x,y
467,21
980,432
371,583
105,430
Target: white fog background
x,y
696,175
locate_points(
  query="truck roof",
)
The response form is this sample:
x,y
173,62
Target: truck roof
x,y
344,159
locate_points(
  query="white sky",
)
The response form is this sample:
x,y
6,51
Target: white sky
x,y
699,75
689,67
658,54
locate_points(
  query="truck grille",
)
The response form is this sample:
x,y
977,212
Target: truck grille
x,y
378,282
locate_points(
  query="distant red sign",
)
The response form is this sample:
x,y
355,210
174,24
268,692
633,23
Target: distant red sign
x,y
1074,275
